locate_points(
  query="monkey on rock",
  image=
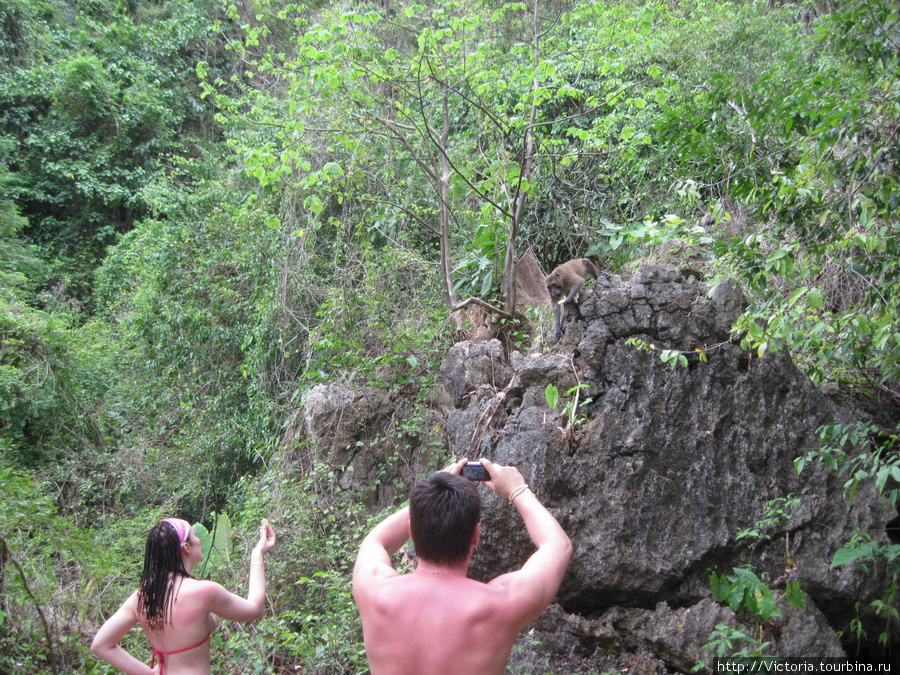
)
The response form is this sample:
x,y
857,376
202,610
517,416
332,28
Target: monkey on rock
x,y
564,283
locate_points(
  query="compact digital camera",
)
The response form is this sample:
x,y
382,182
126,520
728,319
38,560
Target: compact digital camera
x,y
475,471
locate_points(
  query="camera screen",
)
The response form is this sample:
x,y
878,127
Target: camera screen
x,y
475,471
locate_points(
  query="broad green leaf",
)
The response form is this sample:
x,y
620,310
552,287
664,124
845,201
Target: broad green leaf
x,y
794,595
815,298
843,556
551,393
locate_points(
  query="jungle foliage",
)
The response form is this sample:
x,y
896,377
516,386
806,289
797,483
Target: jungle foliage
x,y
209,206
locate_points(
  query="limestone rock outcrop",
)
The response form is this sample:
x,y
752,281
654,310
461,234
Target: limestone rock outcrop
x,y
656,472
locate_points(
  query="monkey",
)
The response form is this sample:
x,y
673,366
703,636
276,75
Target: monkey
x,y
564,283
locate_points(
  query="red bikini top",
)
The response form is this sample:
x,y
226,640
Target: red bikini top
x,y
160,654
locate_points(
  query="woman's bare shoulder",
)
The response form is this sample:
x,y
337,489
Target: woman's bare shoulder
x,y
201,587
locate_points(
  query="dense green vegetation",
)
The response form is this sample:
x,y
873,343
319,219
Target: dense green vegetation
x,y
209,206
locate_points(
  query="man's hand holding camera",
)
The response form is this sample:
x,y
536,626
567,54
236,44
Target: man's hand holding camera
x,y
506,481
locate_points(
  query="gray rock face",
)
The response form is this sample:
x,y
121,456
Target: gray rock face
x,y
367,437
668,467
653,485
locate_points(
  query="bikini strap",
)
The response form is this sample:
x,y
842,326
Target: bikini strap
x,y
161,654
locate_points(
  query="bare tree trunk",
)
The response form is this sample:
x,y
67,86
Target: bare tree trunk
x,y
516,201
516,195
444,191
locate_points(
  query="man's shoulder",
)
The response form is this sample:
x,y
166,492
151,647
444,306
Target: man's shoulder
x,y
467,600
411,586
462,592
371,582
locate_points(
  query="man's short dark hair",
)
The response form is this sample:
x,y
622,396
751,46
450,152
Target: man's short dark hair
x,y
443,512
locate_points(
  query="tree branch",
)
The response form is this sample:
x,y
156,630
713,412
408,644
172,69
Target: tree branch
x,y
37,605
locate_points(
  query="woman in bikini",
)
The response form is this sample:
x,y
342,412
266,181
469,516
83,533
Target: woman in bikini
x,y
175,610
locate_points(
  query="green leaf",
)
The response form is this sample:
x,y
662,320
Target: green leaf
x,y
843,556
765,602
794,595
216,545
815,299
551,393
314,204
720,587
332,169
205,539
796,295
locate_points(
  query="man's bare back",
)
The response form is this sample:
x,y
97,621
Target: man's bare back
x,y
448,625
438,621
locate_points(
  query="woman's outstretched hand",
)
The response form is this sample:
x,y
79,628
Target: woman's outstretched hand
x,y
266,537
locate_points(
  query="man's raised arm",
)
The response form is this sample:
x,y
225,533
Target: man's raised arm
x,y
373,562
374,557
535,585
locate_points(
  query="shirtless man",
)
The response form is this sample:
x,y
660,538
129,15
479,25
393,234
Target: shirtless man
x,y
437,620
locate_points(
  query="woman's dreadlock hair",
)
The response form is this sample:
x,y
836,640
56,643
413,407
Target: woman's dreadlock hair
x,y
162,556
